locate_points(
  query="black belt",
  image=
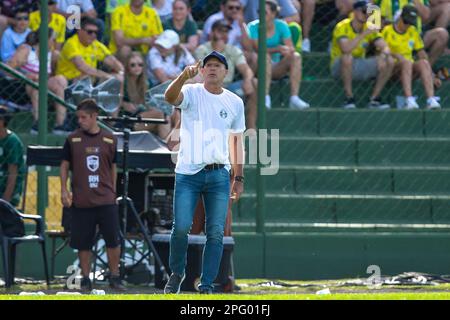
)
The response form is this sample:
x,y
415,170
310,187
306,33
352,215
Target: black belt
x,y
214,166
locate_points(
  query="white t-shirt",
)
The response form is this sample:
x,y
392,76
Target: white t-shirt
x,y
172,69
207,119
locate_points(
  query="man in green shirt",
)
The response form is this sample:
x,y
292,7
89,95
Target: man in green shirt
x,y
12,168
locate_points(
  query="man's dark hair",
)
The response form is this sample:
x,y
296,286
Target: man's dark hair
x,y
224,2
89,106
273,5
21,9
85,21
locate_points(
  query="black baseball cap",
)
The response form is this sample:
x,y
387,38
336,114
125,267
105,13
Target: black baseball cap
x,y
218,56
409,15
360,4
219,24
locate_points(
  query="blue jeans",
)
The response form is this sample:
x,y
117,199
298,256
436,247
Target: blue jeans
x,y
214,186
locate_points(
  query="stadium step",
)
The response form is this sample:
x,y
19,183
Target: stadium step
x,y
382,152
359,123
348,180
329,93
349,208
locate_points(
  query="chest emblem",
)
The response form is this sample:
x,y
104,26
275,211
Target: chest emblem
x,y
92,163
223,114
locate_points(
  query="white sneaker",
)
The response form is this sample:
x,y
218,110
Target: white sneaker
x,y
432,103
296,103
268,102
306,45
411,103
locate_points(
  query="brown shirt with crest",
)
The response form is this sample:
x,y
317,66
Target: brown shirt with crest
x,y
91,158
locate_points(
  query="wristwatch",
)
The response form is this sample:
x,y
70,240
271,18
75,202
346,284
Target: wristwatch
x,y
239,179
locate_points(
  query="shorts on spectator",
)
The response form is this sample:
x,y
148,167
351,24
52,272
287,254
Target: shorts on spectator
x,y
362,68
84,226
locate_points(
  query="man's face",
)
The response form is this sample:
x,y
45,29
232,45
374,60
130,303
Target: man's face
x,y
88,34
214,71
86,121
232,9
2,123
220,34
361,14
22,21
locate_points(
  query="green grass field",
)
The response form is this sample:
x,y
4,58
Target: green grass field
x,y
254,289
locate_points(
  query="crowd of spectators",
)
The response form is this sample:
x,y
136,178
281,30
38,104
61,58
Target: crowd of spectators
x,y
144,43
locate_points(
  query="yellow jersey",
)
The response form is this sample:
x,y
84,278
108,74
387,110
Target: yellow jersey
x,y
146,24
345,30
57,23
389,9
403,43
91,54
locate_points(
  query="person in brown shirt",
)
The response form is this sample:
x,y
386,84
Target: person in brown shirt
x,y
90,154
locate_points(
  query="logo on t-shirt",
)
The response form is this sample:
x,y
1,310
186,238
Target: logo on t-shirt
x,y
223,114
92,163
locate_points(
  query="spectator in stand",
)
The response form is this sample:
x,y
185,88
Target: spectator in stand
x,y
167,59
3,24
351,38
26,60
435,39
344,7
183,25
87,10
306,9
135,87
56,21
287,11
440,13
164,9
9,7
403,38
15,35
231,12
134,27
282,59
81,54
236,61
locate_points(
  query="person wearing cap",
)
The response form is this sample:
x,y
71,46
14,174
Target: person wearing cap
x,y
231,11
167,58
211,148
282,59
90,155
56,22
134,27
403,38
435,38
12,166
236,63
351,39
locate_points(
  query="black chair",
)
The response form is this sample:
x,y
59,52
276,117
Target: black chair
x,y
10,241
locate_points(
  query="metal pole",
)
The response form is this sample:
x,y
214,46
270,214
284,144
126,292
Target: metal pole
x,y
43,104
262,52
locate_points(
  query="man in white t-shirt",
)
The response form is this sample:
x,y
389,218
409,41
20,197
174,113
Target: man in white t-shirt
x,y
212,126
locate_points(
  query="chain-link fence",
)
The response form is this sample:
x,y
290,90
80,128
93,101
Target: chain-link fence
x,y
336,166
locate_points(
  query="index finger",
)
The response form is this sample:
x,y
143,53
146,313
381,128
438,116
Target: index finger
x,y
198,64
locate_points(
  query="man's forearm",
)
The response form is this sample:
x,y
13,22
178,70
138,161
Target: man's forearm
x,y
10,185
174,89
64,173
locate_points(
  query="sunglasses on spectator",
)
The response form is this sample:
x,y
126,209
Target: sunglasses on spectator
x,y
133,65
234,7
24,18
91,32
